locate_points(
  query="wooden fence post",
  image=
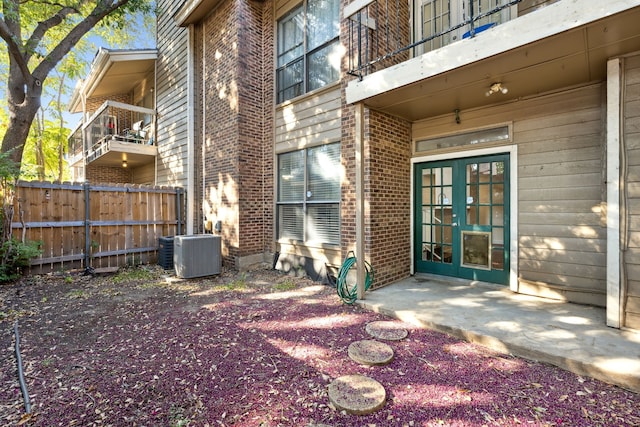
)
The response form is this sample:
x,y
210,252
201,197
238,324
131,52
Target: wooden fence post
x,y
87,240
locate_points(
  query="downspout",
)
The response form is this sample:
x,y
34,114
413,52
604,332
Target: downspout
x,y
359,148
203,115
190,130
155,119
615,261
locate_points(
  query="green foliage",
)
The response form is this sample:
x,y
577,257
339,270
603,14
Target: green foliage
x,y
286,285
77,294
43,37
237,285
14,253
15,257
132,274
49,138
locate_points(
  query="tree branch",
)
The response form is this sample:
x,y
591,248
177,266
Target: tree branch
x,y
43,27
102,9
14,49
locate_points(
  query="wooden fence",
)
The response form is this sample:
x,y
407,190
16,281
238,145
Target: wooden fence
x,y
95,227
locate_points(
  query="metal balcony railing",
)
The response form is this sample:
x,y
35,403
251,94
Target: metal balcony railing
x,y
113,121
382,33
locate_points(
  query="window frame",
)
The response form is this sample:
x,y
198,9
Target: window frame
x,y
307,202
307,53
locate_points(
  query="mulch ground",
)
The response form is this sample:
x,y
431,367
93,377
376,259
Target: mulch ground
x,y
257,349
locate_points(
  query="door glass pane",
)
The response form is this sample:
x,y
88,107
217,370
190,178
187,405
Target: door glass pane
x,y
427,252
498,193
497,236
447,234
497,251
484,194
498,216
484,215
438,216
437,234
472,215
497,171
436,18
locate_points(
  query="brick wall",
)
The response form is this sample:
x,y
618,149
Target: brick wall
x,y
124,118
198,155
392,32
238,153
255,156
103,174
387,186
94,103
387,191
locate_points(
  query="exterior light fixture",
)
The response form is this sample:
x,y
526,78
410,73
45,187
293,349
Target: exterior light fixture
x,y
496,87
124,163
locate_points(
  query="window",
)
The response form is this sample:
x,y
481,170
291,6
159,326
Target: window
x,y
468,138
308,48
308,207
441,20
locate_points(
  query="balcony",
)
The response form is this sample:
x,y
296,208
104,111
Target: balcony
x,y
446,55
117,134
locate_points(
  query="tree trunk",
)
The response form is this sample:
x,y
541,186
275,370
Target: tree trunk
x,y
23,106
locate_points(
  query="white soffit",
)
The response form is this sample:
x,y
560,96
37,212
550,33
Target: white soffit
x,y
556,18
192,11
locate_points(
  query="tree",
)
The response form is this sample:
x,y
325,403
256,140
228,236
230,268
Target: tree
x,y
38,35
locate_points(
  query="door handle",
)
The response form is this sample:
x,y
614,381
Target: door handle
x,y
454,224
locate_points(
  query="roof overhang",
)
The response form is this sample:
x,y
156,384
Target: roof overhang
x,y
562,45
192,11
113,72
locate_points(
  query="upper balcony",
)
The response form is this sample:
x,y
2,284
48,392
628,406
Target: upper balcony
x,y
446,55
117,102
117,134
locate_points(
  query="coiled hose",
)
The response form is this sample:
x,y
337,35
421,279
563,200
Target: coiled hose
x,y
348,293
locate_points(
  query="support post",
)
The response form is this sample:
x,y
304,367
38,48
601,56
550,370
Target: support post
x,y
614,112
360,206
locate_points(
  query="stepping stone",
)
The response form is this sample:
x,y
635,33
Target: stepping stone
x,y
357,394
370,352
386,330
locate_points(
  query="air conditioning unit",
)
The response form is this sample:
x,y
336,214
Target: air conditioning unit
x,y
197,255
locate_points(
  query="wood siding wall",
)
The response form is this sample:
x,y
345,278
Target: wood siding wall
x,y
311,121
562,234
631,191
124,223
171,97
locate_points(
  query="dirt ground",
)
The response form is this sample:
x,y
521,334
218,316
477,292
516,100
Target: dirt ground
x,y
142,348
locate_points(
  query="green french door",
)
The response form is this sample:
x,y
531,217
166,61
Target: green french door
x,y
462,218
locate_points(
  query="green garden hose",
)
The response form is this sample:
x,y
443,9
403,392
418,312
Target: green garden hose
x,y
347,292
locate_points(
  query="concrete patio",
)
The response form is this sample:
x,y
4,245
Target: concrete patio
x,y
573,337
